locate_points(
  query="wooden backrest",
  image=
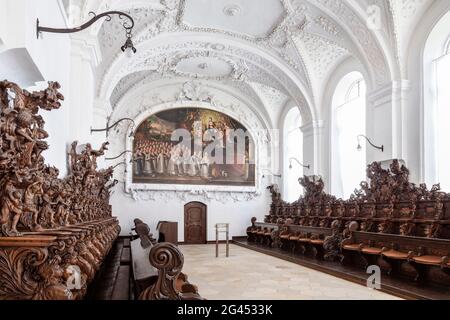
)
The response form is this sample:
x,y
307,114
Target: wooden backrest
x,y
418,245
387,204
142,269
310,232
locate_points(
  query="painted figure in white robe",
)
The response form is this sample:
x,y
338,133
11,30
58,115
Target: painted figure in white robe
x,y
139,163
147,164
160,164
186,160
154,161
205,166
246,168
192,167
172,163
197,159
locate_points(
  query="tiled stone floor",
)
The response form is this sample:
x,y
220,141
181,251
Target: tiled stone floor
x,y
250,275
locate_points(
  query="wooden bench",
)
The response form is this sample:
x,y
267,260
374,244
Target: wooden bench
x,y
400,226
143,273
171,283
156,269
121,289
261,232
105,285
396,254
288,236
304,238
125,258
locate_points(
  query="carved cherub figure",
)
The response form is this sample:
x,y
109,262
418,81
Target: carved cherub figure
x,y
366,225
314,222
407,228
11,209
62,213
384,227
47,212
73,156
354,209
76,212
332,244
94,154
388,210
52,287
439,207
325,223
433,230
143,231
340,208
30,203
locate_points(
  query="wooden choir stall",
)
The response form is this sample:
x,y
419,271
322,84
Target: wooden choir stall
x,y
55,233
389,222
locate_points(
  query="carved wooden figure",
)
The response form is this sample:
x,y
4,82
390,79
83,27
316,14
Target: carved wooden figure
x,y
49,226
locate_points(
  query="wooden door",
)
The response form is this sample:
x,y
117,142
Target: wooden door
x,y
195,223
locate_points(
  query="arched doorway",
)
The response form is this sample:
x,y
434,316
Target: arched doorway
x,y
195,223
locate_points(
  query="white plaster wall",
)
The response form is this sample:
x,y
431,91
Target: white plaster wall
x,y
419,104
169,205
324,154
238,214
51,55
58,57
382,131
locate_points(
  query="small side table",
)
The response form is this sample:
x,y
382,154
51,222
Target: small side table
x,y
222,228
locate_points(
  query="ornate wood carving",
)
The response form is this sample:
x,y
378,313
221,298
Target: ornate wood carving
x,y
388,204
143,231
388,221
53,229
169,260
332,244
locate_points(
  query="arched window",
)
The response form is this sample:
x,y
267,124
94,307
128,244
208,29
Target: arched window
x,y
293,149
348,165
437,104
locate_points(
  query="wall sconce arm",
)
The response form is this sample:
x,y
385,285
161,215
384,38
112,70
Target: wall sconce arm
x,y
370,142
298,161
114,125
126,151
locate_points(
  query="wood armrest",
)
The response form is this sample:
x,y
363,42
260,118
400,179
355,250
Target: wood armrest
x,y
346,242
189,288
444,262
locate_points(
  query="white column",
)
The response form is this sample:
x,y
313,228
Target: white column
x,y
101,111
84,59
386,123
407,130
313,135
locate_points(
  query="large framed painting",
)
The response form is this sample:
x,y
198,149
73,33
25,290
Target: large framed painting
x,y
193,146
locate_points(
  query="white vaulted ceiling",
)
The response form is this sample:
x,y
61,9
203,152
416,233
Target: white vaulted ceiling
x,y
272,51
235,16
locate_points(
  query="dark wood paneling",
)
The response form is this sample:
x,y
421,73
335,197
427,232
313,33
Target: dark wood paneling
x,y
195,223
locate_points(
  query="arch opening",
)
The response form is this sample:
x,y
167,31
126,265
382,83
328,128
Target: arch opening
x,y
348,121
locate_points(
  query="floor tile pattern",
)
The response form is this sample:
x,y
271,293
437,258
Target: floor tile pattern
x,y
250,275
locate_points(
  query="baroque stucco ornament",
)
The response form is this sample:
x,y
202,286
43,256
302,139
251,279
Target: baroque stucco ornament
x,y
189,94
329,20
252,68
336,18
